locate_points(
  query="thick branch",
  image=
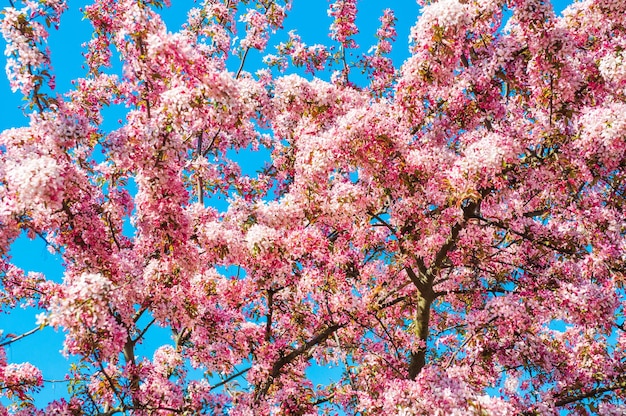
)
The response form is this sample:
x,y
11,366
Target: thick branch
x,y
318,339
143,331
420,323
420,284
427,295
110,381
445,249
129,356
293,355
588,394
270,311
200,183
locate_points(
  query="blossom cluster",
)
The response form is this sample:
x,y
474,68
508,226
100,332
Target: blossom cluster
x,y
448,235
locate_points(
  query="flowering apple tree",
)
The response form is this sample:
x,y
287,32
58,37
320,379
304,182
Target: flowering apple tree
x,y
450,233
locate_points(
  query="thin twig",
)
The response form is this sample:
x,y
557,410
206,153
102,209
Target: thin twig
x,y
17,338
232,377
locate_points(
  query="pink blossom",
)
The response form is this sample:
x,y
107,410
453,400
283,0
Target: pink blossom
x,y
446,235
344,27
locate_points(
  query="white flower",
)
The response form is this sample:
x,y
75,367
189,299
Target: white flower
x,y
260,237
37,180
612,68
446,13
41,319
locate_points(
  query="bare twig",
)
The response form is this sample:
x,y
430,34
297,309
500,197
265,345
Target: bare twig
x,y
18,337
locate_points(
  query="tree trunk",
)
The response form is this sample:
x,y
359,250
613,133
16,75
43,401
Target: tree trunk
x,y
420,327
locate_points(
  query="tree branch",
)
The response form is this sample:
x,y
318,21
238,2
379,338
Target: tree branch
x,y
18,337
421,322
270,312
588,394
287,359
526,236
230,378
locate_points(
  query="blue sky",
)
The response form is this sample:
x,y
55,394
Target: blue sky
x,y
308,18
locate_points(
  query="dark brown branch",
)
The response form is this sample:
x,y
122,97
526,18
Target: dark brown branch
x,y
129,356
392,302
526,236
471,291
109,381
139,313
200,184
245,54
445,249
182,337
149,409
144,330
110,222
319,338
420,284
389,337
588,394
230,378
270,311
243,61
293,355
383,223
210,147
535,213
421,322
323,400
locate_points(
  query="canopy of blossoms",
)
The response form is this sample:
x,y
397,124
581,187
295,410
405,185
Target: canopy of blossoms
x,y
449,233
